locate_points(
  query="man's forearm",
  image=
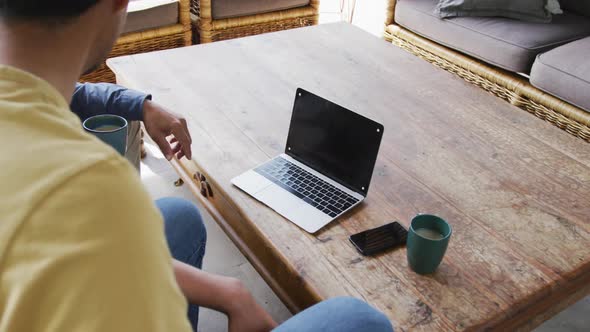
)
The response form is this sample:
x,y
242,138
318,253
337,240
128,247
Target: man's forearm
x,y
207,290
223,294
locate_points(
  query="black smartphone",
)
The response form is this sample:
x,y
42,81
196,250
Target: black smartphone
x,y
376,240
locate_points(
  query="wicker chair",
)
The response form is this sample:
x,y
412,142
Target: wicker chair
x,y
509,86
209,30
157,39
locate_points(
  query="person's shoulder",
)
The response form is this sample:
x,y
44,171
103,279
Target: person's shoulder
x,y
94,194
47,145
48,159
100,203
97,228
106,182
59,153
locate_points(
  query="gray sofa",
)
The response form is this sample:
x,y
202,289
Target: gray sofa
x,y
557,52
565,72
529,60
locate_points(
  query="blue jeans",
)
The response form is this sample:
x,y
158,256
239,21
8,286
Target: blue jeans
x,y
339,314
187,237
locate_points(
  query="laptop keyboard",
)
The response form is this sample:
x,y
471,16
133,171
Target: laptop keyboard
x,y
311,189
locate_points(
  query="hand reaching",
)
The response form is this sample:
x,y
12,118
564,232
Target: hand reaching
x,y
160,123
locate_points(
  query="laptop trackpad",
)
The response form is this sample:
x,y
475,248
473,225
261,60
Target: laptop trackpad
x,y
293,209
251,182
278,199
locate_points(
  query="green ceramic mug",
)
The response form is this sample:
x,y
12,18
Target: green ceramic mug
x,y
428,238
111,129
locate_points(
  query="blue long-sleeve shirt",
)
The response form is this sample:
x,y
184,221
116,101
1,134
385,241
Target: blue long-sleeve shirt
x,y
104,98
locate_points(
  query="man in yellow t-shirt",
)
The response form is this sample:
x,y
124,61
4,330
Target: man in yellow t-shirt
x,y
82,247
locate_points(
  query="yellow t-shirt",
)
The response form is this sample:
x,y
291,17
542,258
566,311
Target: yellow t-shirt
x,y
82,246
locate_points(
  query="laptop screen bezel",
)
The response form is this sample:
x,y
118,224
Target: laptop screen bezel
x,y
361,189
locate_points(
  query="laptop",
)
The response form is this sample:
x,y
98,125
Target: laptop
x,y
326,168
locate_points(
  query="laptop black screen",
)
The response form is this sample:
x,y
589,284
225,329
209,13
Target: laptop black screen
x,y
337,142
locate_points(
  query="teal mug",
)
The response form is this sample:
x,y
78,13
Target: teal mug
x,y
111,129
428,238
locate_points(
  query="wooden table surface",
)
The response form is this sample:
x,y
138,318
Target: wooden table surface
x,y
515,189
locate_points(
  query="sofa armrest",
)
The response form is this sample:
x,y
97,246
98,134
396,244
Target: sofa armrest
x,y
315,4
390,17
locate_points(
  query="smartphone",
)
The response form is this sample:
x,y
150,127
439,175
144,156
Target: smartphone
x,y
376,240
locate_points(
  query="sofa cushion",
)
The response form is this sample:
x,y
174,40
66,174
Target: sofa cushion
x,y
150,14
504,42
565,73
235,8
526,10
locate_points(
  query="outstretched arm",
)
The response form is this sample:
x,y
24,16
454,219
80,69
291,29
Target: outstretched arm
x,y
105,98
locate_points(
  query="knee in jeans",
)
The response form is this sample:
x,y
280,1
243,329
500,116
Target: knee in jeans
x,y
187,218
194,222
362,312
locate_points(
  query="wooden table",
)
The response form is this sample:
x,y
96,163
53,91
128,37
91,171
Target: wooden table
x,y
515,189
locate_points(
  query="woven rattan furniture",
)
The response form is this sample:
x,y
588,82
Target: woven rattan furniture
x,y
207,29
156,39
509,86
